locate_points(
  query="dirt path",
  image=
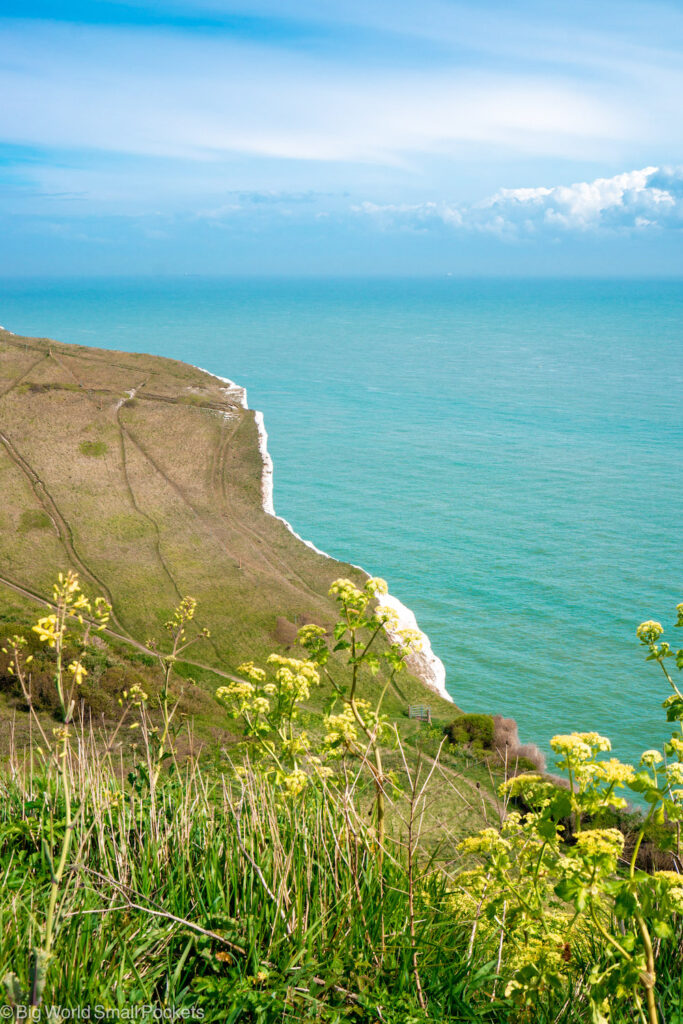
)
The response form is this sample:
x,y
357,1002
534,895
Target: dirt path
x,y
19,589
60,524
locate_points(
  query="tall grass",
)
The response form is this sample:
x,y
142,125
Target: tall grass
x,y
212,895
212,891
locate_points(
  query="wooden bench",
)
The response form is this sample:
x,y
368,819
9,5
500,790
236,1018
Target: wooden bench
x,y
421,712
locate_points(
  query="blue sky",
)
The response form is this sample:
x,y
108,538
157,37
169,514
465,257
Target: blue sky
x,y
311,136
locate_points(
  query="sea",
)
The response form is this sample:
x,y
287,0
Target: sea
x,y
508,454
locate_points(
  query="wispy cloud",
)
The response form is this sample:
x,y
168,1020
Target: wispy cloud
x,y
638,200
200,96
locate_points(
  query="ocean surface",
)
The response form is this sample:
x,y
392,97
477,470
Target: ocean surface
x,y
508,454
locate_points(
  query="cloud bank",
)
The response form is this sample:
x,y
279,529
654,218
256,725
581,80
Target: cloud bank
x,y
636,201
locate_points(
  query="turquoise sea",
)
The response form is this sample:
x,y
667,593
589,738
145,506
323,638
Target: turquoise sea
x,y
508,454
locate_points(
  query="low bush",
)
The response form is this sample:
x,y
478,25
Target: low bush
x,y
475,729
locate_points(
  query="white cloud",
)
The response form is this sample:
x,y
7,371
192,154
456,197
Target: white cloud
x,y
634,201
158,92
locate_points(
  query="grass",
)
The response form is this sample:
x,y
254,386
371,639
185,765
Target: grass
x,y
211,895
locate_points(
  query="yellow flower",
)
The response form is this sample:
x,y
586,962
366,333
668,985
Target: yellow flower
x,y
295,782
614,772
594,740
341,727
650,758
676,745
376,585
487,841
349,595
572,746
676,897
411,640
310,632
78,671
674,774
387,616
600,842
669,877
648,632
48,631
248,669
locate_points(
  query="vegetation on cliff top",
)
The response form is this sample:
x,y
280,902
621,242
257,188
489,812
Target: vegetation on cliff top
x,y
301,877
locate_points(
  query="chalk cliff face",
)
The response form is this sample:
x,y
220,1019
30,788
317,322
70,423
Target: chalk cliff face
x,y
424,664
152,478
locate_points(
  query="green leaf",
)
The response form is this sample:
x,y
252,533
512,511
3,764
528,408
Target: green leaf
x,y
546,829
625,904
662,929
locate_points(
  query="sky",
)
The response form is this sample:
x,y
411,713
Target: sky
x,y
306,137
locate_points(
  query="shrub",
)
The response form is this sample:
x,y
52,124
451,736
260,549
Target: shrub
x,y
471,728
94,449
34,519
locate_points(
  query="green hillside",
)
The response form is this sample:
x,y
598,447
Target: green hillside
x,y
144,475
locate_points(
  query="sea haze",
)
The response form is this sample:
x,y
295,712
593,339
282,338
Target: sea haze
x,y
506,453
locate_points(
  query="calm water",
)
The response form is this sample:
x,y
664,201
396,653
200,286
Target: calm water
x,y
506,454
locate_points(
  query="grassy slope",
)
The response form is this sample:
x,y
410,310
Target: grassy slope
x,y
144,474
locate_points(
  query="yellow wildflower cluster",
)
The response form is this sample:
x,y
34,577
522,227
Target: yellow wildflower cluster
x,y
676,747
310,632
529,785
411,640
387,616
669,878
615,772
249,669
78,671
673,882
674,774
651,758
580,746
488,841
236,696
294,677
595,741
182,614
572,746
49,631
596,843
136,695
465,900
349,595
676,899
295,782
357,600
320,769
71,603
611,773
341,728
649,632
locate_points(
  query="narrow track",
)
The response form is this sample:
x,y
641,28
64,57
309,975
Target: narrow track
x,y
150,519
25,592
62,527
18,380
